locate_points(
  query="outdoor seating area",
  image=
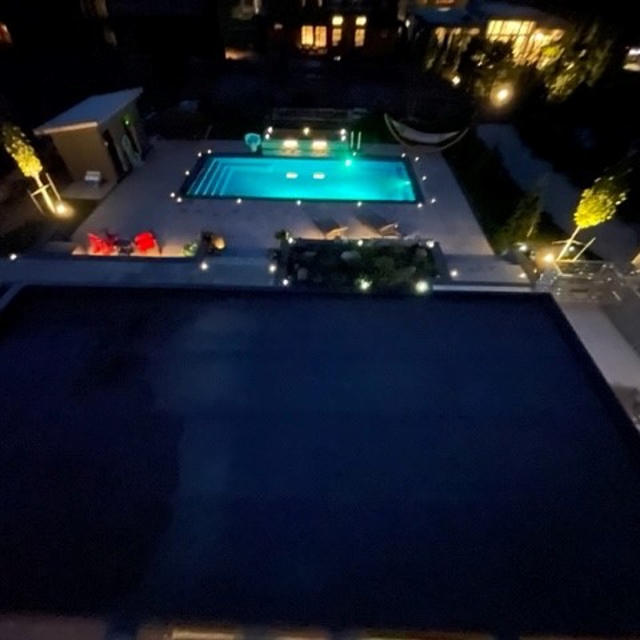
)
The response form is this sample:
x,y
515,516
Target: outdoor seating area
x,y
144,243
380,225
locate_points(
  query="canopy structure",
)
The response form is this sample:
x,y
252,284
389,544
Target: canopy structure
x,y
406,134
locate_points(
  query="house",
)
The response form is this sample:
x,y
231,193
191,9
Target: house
x,y
528,30
336,29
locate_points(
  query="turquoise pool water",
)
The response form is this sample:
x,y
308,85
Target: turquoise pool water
x,y
338,179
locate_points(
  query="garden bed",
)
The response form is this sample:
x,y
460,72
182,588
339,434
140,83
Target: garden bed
x,y
387,265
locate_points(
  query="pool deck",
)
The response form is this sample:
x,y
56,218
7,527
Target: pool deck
x,y
141,201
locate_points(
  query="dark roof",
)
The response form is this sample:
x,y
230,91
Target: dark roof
x,y
151,8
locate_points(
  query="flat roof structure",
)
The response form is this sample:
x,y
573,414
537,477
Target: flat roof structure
x,y
91,112
452,462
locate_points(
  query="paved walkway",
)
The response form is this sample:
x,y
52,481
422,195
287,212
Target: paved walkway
x,y
615,240
617,361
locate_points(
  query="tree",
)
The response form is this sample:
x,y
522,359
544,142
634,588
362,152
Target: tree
x,y
19,148
583,61
600,202
524,221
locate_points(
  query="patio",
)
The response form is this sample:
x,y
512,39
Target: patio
x,y
142,202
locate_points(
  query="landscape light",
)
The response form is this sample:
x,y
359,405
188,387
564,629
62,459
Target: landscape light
x,y
501,95
359,204
239,201
61,209
454,273
267,136
306,131
424,178
203,266
172,194
430,244
298,202
13,256
433,200
269,129
419,205
403,155
417,158
209,151
455,81
364,284
290,239
360,242
285,282
549,258
343,132
199,154
186,173
319,145
273,268
422,286
178,199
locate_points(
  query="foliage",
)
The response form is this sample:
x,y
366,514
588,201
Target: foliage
x,y
524,221
484,64
344,264
585,58
18,147
600,202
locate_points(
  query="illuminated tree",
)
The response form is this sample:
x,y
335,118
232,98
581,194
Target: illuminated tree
x,y
582,61
19,148
600,202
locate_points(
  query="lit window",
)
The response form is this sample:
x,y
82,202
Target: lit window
x,y
358,38
337,21
320,37
277,26
336,36
319,145
5,36
361,21
306,36
290,143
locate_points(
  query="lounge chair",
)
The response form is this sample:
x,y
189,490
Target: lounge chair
x,y
100,246
329,228
145,242
380,225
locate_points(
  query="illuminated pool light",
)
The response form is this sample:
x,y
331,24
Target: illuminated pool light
x,y
318,175
291,175
348,162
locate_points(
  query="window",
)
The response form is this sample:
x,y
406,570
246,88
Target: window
x,y
321,38
336,36
5,36
306,39
361,21
337,21
313,37
358,38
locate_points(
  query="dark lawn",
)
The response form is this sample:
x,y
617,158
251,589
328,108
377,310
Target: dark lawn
x,y
452,462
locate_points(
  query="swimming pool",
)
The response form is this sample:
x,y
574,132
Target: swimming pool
x,y
277,178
